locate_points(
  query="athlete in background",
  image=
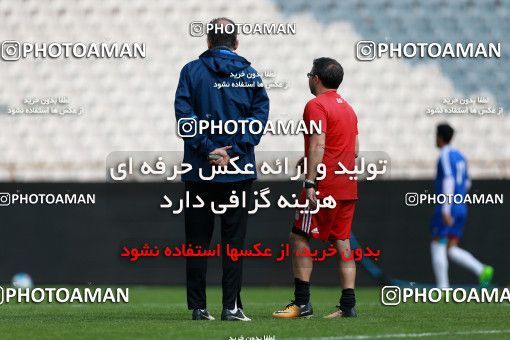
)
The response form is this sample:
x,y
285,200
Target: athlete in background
x,y
449,219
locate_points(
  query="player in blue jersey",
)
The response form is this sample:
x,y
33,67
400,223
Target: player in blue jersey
x,y
449,218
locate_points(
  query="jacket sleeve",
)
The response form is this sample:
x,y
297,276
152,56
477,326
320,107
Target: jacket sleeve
x,y
259,111
187,120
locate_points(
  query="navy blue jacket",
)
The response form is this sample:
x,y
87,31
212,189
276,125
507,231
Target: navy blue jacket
x,y
197,99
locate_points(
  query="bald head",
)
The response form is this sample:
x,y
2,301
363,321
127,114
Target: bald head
x,y
222,32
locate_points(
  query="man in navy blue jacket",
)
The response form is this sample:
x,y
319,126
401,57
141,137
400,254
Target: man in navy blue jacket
x,y
220,86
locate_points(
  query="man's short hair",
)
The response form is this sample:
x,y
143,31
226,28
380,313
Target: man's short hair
x,y
220,35
329,71
445,131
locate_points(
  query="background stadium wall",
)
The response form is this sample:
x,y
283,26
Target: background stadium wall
x,y
82,244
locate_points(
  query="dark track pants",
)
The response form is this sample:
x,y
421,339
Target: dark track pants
x,y
199,227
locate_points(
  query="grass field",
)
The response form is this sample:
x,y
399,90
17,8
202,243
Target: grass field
x,y
160,312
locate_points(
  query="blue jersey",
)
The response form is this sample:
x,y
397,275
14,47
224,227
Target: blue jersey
x,y
452,179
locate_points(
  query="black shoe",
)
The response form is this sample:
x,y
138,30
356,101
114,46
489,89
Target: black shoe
x,y
292,311
201,314
234,315
347,313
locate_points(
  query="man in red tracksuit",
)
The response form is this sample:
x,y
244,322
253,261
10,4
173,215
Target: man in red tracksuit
x,y
337,142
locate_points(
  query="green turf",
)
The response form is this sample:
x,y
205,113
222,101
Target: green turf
x,y
160,312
